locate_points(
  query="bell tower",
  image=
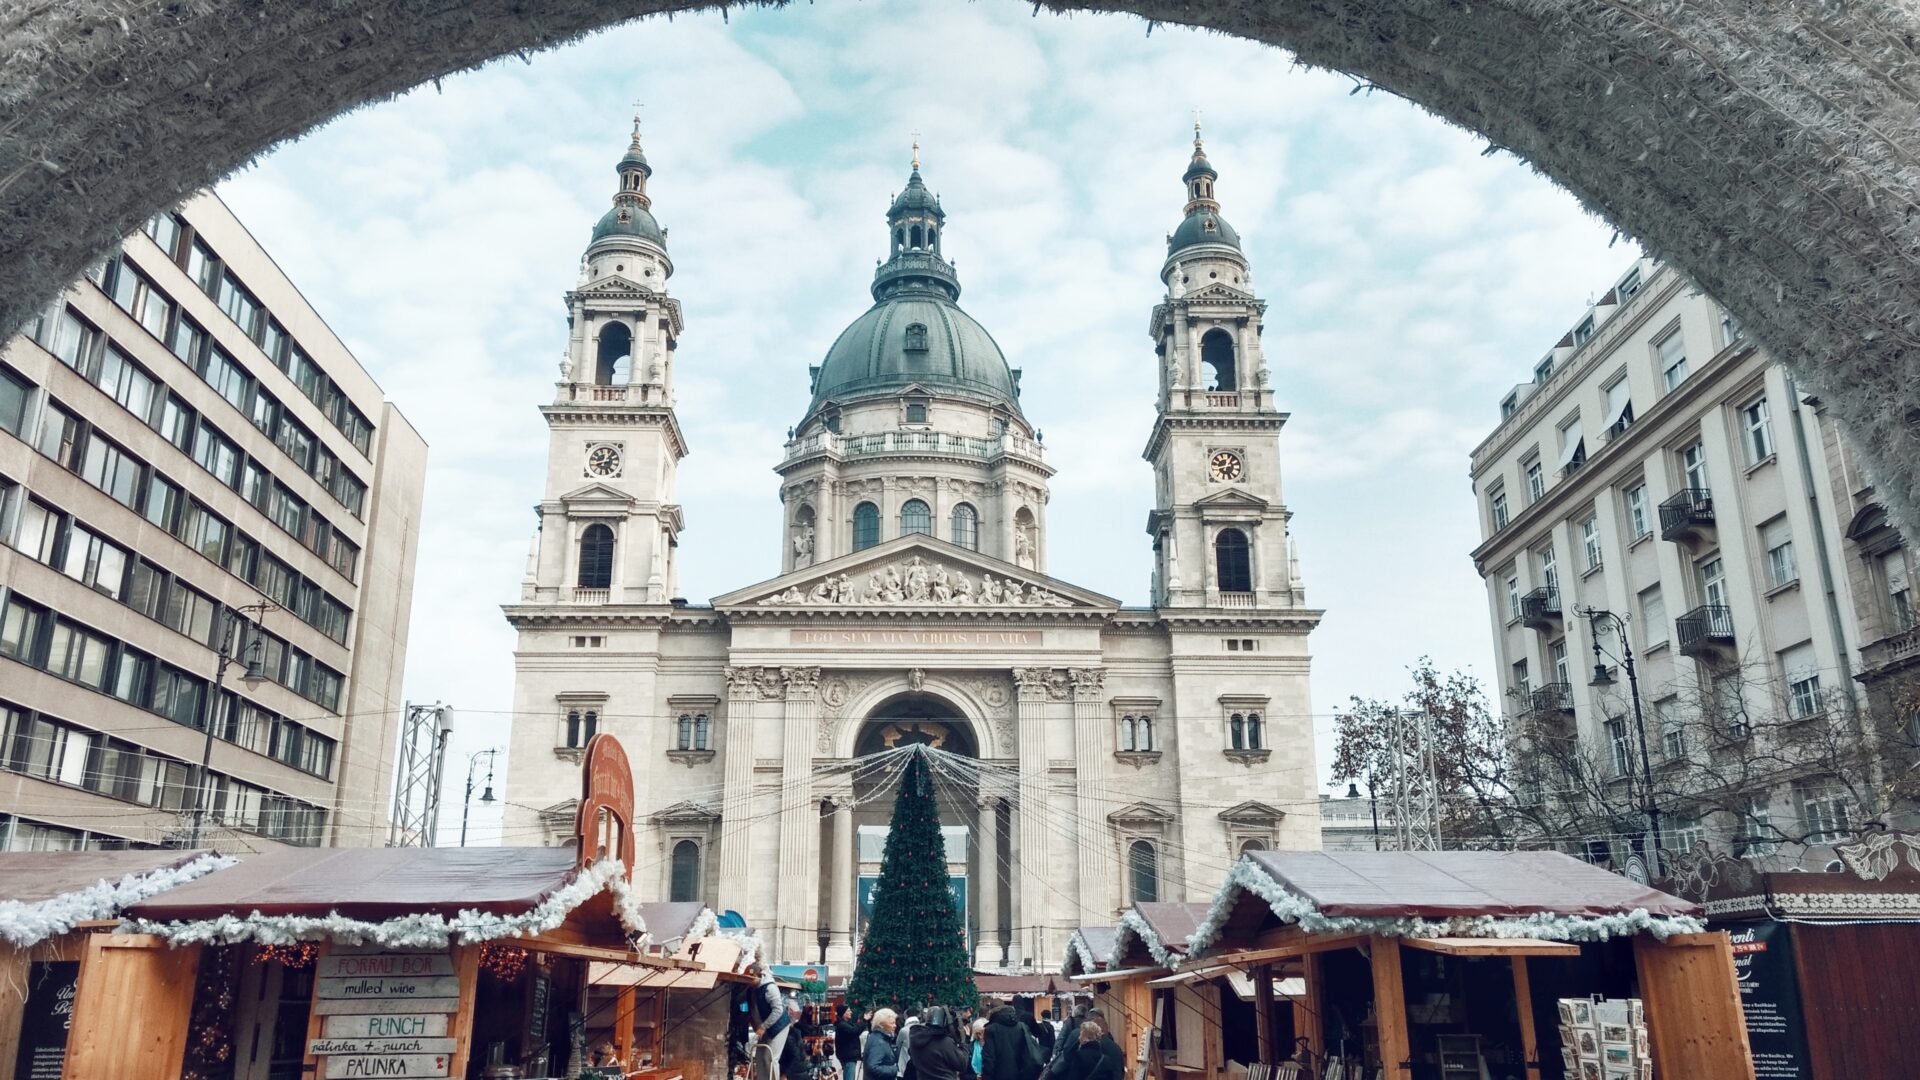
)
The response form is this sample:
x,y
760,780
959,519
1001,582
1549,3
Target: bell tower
x,y
1219,525
609,522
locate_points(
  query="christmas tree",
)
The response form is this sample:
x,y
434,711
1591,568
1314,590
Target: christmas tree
x,y
915,950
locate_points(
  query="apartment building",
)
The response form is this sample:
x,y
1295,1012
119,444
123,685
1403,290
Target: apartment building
x,y
1662,476
196,474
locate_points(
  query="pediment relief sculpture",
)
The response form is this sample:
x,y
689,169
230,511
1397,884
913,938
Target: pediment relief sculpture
x,y
919,583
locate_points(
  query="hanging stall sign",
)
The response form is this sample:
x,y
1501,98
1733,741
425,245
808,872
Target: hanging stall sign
x,y
45,1018
385,1014
1770,998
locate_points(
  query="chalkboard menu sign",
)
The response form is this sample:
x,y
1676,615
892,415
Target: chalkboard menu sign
x,y
1770,997
47,1015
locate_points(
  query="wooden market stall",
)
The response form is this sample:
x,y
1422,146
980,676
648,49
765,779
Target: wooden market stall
x,y
1829,963
1445,965
49,900
678,1019
413,962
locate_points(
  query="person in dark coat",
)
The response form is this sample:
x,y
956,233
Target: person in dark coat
x,y
846,1041
935,1052
1044,1034
1095,1055
881,1058
1003,1049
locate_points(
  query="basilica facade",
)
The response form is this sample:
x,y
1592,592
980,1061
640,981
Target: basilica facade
x,y
1122,753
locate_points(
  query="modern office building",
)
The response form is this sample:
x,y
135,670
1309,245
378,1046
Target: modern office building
x,y
194,468
1661,468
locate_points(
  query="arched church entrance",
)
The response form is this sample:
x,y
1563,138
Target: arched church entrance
x,y
973,822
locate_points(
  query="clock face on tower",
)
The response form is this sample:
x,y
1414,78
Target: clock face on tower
x,y
1224,466
603,460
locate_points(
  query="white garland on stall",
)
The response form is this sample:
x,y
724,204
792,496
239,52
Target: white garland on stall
x,y
704,924
1132,922
426,931
1247,876
26,923
751,946
1077,945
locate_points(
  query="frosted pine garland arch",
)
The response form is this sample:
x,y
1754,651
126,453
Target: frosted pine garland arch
x,y
1771,151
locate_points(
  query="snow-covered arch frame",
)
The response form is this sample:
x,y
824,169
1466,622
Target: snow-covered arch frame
x,y
1771,151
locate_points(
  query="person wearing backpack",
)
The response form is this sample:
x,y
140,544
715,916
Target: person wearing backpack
x,y
1008,1050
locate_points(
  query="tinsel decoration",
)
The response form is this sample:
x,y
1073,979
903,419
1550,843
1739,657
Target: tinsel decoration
x,y
209,1054
27,923
503,962
298,956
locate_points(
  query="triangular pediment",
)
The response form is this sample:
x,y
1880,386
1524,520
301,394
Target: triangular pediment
x,y
1252,813
596,495
1140,813
614,285
916,572
1231,499
1219,291
686,813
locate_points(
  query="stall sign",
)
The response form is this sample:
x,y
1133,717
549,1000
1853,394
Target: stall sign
x,y
385,1014
812,978
386,1065
539,999
46,1017
1770,997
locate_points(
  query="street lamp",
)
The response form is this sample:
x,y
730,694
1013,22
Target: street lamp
x,y
251,675
1603,677
486,796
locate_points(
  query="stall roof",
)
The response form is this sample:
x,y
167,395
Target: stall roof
x,y
1156,931
1016,985
44,894
1502,893
33,876
671,921
370,883
1089,949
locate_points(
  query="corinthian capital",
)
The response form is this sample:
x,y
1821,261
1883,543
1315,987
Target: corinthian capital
x,y
742,681
801,681
1087,682
1031,682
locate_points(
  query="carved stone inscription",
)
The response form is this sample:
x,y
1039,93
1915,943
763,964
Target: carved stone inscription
x,y
948,639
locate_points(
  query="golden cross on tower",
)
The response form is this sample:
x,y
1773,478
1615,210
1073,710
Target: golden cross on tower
x,y
916,150
636,121
1196,128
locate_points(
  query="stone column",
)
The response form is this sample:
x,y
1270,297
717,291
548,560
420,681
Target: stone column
x,y
799,885
987,944
736,801
840,944
1091,763
1030,852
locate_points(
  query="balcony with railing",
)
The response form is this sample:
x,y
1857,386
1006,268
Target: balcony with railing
x,y
1705,631
1552,699
591,596
1236,599
1895,651
1683,516
944,443
1540,609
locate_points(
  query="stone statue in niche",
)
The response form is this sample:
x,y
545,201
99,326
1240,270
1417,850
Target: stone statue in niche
x,y
1023,546
802,546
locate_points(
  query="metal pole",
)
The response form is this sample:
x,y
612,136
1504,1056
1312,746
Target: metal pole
x,y
466,804
202,797
1373,802
439,776
1646,759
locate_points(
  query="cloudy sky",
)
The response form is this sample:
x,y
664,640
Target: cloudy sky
x,y
1410,281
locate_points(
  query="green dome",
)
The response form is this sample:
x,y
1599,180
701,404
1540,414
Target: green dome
x,y
871,358
1203,226
629,220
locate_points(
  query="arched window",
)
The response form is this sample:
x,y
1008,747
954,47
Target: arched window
x,y
899,238
1253,731
1232,561
581,726
615,355
866,526
1143,733
966,527
933,237
1237,726
1126,733
1143,864
915,517
1216,352
916,236
686,873
596,558
1252,844
692,733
